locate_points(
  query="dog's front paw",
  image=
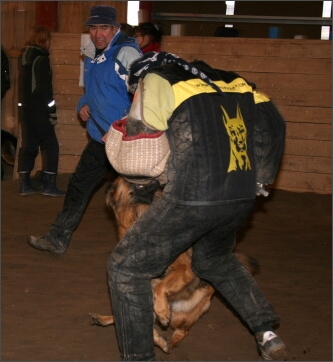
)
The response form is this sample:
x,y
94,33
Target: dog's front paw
x,y
163,316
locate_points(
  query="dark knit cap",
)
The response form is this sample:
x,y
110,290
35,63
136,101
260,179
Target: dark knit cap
x,y
103,14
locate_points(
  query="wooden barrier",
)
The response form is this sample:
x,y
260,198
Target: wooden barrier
x,y
295,73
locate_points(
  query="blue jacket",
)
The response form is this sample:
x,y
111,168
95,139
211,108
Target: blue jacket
x,y
105,84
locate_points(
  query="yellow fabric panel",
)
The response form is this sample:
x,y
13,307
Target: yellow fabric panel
x,y
260,97
186,89
158,101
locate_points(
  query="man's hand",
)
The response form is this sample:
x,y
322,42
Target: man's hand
x,y
84,113
104,138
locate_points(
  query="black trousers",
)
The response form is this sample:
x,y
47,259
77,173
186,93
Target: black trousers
x,y
90,171
38,134
156,239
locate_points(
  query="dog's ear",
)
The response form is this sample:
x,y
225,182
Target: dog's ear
x,y
119,193
110,191
108,186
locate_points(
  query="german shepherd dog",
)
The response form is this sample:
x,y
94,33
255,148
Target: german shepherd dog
x,y
180,297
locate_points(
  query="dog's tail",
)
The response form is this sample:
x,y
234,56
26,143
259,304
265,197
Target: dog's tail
x,y
250,263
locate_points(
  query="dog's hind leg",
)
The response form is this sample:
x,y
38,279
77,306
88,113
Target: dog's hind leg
x,y
101,320
183,320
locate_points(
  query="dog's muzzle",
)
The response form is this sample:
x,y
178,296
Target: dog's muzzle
x,y
144,193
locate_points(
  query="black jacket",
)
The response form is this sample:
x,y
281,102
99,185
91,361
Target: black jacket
x,y
35,84
221,143
5,75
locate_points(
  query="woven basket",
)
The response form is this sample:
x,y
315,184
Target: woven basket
x,y
142,155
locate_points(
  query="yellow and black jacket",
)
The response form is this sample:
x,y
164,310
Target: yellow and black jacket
x,y
222,141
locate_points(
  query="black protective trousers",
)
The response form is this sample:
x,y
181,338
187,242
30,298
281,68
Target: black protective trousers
x,y
158,237
38,134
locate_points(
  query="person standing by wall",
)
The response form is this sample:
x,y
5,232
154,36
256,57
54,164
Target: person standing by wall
x,y
5,73
128,29
148,37
109,54
6,137
37,110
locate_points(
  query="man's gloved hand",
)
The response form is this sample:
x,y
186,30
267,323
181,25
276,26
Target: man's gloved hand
x,y
262,190
53,118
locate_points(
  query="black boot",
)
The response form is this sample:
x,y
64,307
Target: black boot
x,y
49,185
46,243
26,187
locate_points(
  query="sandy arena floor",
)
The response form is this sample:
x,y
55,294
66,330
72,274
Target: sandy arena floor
x,y
46,299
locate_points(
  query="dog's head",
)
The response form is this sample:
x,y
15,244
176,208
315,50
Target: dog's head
x,y
123,193
128,201
118,193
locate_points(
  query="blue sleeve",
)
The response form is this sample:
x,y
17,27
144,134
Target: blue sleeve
x,y
82,102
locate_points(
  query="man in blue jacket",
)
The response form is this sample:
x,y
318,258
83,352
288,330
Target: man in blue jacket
x,y
109,54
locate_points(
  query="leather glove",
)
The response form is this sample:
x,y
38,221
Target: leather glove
x,y
53,118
